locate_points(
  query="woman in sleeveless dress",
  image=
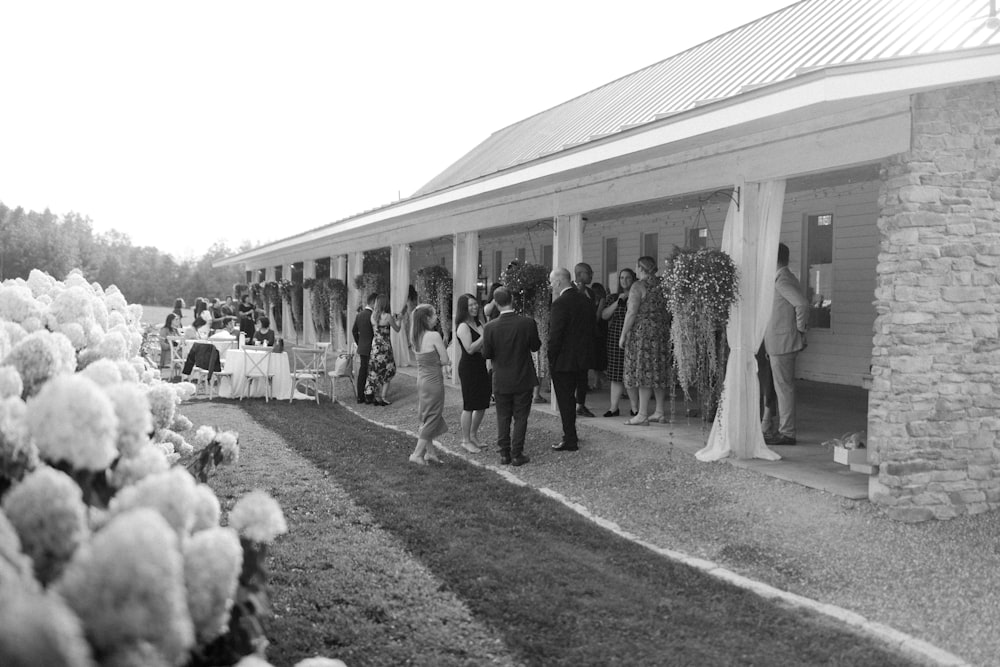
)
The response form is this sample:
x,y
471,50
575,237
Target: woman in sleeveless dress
x,y
472,372
382,362
431,355
645,338
614,314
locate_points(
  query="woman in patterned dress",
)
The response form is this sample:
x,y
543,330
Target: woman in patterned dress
x,y
381,363
614,314
645,338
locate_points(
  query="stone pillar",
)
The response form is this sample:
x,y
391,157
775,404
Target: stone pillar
x,y
308,328
567,241
465,259
355,264
934,405
399,271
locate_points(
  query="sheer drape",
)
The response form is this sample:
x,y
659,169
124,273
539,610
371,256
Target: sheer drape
x,y
750,237
399,281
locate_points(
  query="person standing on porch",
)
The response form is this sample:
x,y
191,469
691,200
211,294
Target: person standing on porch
x,y
784,338
363,333
509,341
584,275
572,327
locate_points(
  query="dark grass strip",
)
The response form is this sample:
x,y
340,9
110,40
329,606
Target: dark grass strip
x,y
561,590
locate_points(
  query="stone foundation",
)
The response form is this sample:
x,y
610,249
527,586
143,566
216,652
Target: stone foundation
x,y
934,406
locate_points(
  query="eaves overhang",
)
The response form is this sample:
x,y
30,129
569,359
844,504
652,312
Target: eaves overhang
x,y
807,89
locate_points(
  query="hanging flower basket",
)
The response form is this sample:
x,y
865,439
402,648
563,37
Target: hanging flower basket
x,y
272,303
530,289
370,283
337,307
434,285
291,294
700,286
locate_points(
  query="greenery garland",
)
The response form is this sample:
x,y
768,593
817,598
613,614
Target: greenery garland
x,y
257,294
319,305
291,294
272,303
700,286
337,307
434,285
239,289
370,283
529,286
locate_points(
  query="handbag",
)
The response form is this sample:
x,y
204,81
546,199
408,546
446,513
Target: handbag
x,y
343,366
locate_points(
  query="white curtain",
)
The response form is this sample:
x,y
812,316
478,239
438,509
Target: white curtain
x,y
750,237
399,281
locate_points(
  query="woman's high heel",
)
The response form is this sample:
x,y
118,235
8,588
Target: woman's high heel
x,y
638,420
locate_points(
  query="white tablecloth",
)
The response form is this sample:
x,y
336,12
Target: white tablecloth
x,y
231,386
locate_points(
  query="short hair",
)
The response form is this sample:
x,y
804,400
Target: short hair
x,y
265,322
783,254
371,298
562,274
583,265
502,296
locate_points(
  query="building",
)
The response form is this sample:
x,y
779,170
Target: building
x,y
865,134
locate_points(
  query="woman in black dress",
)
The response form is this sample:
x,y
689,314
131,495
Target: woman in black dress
x,y
472,371
247,311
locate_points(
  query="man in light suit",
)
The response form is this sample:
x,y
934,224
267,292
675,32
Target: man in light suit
x,y
572,327
509,341
363,333
784,337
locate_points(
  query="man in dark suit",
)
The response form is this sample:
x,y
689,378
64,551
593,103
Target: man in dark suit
x,y
572,330
363,334
585,276
509,341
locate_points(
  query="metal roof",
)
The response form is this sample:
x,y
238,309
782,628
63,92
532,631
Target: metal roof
x,y
807,35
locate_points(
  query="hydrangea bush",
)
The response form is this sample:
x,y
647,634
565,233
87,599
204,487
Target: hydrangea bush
x,y
111,548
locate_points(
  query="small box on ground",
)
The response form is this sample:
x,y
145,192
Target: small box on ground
x,y
845,456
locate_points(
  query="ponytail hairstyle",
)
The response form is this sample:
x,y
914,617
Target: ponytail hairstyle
x,y
422,315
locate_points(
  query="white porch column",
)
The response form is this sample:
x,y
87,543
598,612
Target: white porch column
x,y
465,259
308,328
567,241
355,264
287,329
399,287
750,238
340,339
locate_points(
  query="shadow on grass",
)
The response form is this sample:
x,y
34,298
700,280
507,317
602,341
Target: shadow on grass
x,y
558,588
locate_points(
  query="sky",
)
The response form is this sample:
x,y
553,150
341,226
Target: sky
x,y
186,123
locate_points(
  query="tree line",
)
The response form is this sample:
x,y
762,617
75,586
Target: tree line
x,y
45,241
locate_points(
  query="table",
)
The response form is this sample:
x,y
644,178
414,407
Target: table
x,y
231,384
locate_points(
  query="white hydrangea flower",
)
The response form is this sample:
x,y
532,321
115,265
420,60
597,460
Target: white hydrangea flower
x,y
182,424
320,662
76,279
40,629
18,304
15,332
171,493
258,517
127,585
10,382
74,304
163,403
208,510
74,331
16,568
253,660
127,369
229,442
39,356
48,511
204,436
31,324
115,319
213,559
113,346
103,371
5,343
15,443
40,283
73,420
135,422
150,459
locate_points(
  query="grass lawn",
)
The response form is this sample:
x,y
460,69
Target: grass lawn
x,y
543,586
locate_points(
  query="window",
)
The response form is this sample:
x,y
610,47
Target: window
x,y
261,275
611,261
498,264
547,255
650,244
697,237
818,269
322,268
249,277
277,273
441,261
520,256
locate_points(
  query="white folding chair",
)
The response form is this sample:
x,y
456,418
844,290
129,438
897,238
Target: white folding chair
x,y
256,367
343,366
308,369
178,355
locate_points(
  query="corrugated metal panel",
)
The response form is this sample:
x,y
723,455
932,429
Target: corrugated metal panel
x,y
807,35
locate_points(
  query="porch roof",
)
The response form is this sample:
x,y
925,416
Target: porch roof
x,y
813,55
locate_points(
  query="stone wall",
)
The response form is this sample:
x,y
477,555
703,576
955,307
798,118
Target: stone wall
x,y
934,407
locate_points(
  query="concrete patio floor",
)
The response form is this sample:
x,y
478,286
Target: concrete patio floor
x,y
824,411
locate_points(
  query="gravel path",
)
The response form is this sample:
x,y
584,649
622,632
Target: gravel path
x,y
936,581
